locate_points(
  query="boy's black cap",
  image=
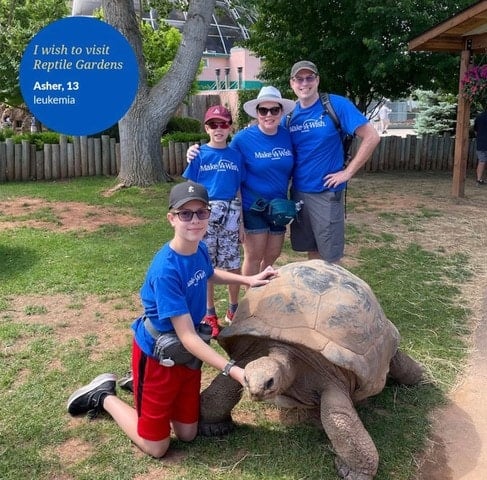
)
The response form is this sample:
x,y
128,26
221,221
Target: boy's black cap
x,y
185,192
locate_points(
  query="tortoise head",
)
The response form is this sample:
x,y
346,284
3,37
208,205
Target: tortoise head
x,y
267,377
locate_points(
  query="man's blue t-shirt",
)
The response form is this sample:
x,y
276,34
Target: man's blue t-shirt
x,y
220,170
268,163
317,144
175,284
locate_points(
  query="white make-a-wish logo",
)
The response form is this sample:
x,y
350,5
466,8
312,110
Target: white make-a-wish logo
x,y
196,278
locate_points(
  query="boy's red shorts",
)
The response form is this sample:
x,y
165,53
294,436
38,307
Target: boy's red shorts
x,y
163,394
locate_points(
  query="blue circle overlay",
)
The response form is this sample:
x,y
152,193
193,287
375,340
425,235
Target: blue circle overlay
x,y
79,76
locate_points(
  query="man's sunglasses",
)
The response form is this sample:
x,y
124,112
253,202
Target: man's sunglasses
x,y
307,79
215,125
264,111
187,215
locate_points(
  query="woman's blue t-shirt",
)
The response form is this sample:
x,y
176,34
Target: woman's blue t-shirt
x,y
268,163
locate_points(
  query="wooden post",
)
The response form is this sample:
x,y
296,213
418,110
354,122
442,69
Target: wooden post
x,y
83,143
462,131
47,161
25,174
3,162
105,155
97,147
63,155
113,157
77,156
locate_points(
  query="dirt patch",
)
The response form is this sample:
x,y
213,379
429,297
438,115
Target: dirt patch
x,y
75,318
60,216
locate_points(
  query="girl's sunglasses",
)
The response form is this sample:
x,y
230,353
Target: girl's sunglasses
x,y
215,125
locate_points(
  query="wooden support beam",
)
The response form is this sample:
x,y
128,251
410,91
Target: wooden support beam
x,y
462,132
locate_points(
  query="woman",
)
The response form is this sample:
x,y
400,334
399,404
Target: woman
x,y
268,156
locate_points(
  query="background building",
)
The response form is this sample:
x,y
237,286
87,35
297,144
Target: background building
x,y
226,66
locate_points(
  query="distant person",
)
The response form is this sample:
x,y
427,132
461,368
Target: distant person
x,y
480,128
166,385
384,120
220,169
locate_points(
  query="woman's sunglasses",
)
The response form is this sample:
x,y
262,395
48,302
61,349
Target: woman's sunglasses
x,y
264,111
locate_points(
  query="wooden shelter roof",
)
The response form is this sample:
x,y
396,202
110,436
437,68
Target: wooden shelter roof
x,y
466,34
451,35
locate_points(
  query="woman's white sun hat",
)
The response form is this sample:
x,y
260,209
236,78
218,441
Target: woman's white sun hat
x,y
269,94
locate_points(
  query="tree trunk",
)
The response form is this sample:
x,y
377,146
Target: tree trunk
x,y
141,155
141,128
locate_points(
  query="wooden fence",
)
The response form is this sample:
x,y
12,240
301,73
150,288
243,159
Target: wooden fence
x,y
101,156
80,158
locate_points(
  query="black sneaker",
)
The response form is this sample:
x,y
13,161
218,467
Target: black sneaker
x,y
127,382
89,399
480,183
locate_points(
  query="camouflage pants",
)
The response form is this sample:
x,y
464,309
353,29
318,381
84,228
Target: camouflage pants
x,y
222,235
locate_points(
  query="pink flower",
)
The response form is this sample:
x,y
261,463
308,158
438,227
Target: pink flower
x,y
474,83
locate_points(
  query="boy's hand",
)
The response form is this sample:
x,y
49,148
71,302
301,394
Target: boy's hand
x,y
192,152
263,277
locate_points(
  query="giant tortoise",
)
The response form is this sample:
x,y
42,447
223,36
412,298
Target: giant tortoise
x,y
314,337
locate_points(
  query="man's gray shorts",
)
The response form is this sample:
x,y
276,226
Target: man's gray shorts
x,y
320,225
482,155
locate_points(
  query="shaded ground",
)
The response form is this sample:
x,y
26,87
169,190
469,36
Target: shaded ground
x,y
458,444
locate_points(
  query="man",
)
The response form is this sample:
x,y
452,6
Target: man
x,y
480,128
319,176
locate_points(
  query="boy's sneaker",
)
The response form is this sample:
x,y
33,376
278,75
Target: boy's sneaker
x,y
127,382
89,399
480,183
229,316
212,321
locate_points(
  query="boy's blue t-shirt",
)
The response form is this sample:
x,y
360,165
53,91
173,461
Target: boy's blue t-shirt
x,y
268,163
317,144
175,284
220,170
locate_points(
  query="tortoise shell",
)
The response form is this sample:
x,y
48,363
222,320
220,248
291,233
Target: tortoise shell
x,y
327,309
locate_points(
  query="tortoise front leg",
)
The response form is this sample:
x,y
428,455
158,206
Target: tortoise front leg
x,y
356,455
216,405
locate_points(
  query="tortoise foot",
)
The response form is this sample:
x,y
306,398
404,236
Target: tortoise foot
x,y
345,472
217,429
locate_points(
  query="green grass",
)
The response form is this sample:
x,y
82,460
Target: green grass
x,y
418,289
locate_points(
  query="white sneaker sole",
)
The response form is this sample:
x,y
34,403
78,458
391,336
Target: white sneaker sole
x,y
96,382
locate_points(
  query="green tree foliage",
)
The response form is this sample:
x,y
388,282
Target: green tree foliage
x,y
359,46
19,21
437,112
160,47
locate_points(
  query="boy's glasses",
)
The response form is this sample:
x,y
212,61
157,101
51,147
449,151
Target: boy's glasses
x,y
308,79
187,215
215,125
264,111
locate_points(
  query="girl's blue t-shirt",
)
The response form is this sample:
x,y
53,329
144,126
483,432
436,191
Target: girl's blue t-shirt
x,y
220,170
268,163
317,144
174,285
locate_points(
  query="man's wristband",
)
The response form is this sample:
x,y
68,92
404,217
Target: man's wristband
x,y
228,366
